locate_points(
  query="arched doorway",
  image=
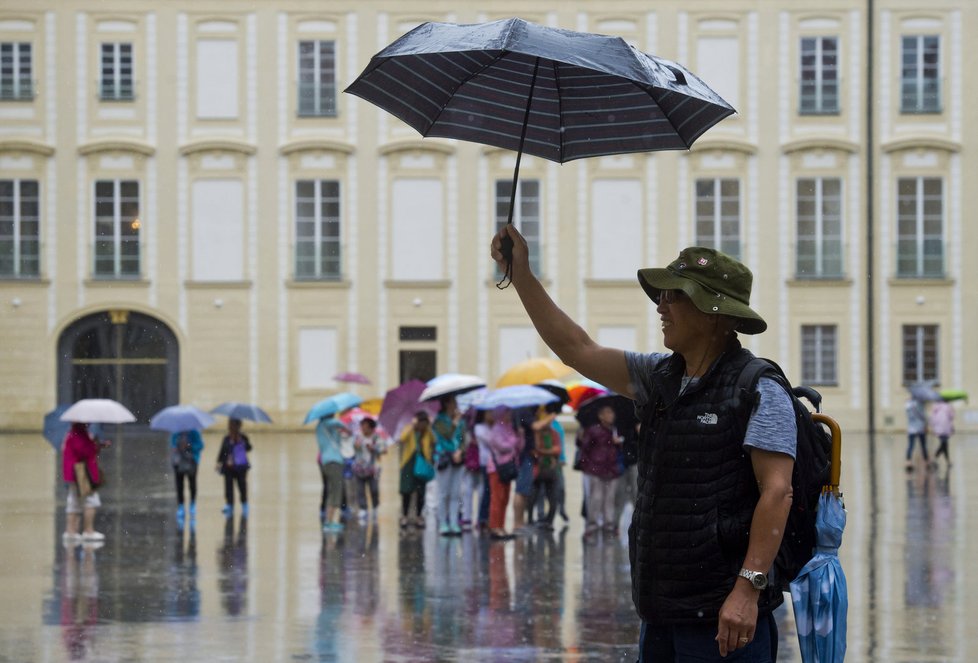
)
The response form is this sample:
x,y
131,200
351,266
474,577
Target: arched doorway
x,y
123,355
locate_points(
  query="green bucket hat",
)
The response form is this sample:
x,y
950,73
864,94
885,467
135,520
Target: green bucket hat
x,y
715,282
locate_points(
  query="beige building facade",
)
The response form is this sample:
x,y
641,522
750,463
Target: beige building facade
x,y
192,211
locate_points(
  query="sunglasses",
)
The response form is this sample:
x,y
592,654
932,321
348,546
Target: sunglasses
x,y
670,296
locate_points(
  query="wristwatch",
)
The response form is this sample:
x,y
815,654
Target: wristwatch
x,y
757,579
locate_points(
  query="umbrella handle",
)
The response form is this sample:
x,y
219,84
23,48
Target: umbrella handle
x,y
506,245
836,467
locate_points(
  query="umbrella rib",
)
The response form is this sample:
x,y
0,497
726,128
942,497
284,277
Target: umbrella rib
x,y
648,92
560,113
434,120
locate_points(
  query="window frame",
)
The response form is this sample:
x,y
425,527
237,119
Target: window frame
x,y
919,238
319,200
917,365
819,237
821,82
715,217
16,83
534,240
116,76
17,238
914,96
822,340
118,239
317,87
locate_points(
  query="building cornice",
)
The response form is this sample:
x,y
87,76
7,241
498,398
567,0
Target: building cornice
x,y
724,145
217,145
921,142
809,144
26,145
116,145
416,146
313,145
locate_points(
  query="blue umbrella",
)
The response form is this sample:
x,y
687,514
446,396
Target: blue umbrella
x,y
178,418
55,429
516,396
819,594
332,405
235,410
924,392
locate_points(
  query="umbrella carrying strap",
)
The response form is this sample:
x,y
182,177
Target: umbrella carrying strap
x,y
506,245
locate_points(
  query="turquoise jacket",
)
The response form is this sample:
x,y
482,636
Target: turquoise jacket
x,y
449,436
329,436
196,442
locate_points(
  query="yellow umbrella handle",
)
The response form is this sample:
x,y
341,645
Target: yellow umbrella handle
x,y
836,469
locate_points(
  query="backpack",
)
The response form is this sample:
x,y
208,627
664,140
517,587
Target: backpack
x,y
812,469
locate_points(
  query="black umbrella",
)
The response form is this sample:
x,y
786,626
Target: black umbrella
x,y
552,93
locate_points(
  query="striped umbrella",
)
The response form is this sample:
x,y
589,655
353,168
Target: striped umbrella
x,y
552,93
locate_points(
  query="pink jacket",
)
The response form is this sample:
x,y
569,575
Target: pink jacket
x,y
79,446
505,444
941,419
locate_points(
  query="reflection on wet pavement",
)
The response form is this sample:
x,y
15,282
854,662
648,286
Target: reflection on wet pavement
x,y
272,587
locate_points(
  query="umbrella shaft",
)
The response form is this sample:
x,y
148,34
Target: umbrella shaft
x,y
519,152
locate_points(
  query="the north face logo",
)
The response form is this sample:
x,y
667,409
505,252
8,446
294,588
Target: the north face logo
x,y
709,418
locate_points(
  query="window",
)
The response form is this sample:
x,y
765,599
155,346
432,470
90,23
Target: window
x,y
920,83
116,81
217,230
116,228
526,214
819,93
718,61
217,79
920,240
15,72
20,242
317,229
317,78
718,215
417,229
919,353
819,218
417,333
818,354
617,240
318,347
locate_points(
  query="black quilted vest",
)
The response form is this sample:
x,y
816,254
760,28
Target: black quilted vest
x,y
696,495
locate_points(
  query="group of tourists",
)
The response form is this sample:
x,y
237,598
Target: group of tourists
x,y
82,475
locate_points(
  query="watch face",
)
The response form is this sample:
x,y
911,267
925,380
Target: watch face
x,y
759,580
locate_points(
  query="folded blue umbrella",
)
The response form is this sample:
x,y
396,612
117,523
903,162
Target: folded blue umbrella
x,y
332,405
820,594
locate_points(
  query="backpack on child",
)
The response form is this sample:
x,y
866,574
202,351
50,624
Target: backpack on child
x,y
812,469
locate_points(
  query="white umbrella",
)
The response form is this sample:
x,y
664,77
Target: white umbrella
x,y
98,410
450,384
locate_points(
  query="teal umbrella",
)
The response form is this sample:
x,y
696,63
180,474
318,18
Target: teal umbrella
x,y
332,405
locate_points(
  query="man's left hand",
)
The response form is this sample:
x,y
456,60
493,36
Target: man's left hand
x,y
738,618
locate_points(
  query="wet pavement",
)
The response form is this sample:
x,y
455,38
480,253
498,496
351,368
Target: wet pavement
x,y
272,587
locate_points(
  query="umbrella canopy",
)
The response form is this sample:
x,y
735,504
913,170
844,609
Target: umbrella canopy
x,y
178,418
582,391
352,378
532,371
450,384
401,403
577,94
625,418
924,392
953,394
820,593
556,387
55,429
236,410
351,419
100,410
516,396
332,405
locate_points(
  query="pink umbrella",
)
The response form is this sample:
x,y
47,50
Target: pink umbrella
x,y
352,419
401,403
356,378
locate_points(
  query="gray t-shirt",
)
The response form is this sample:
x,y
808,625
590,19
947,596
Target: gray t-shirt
x,y
771,426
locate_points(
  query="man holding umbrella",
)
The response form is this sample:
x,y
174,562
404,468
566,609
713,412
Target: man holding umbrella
x,y
717,467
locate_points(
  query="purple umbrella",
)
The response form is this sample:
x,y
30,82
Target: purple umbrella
x,y
401,403
355,378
